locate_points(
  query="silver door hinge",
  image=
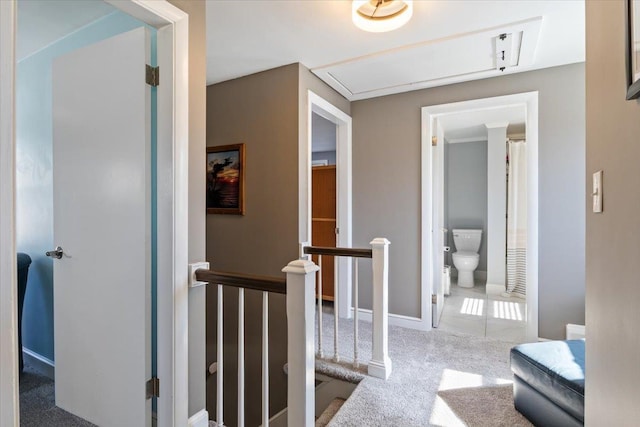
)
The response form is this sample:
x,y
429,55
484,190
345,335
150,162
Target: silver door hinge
x,y
153,388
434,141
337,230
434,299
152,75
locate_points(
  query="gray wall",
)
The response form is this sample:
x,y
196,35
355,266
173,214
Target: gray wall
x,y
466,178
387,137
613,249
260,111
267,112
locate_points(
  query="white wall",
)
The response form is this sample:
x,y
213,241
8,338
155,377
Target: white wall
x,y
496,203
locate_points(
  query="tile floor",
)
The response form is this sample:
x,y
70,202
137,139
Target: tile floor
x,y
471,311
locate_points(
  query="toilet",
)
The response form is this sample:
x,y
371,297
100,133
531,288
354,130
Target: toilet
x,y
466,257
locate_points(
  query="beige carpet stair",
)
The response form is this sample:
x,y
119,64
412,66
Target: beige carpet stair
x,y
329,413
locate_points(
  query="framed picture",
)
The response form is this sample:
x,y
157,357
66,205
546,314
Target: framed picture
x,y
633,48
225,179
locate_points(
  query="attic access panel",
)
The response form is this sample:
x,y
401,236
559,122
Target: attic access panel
x,y
448,60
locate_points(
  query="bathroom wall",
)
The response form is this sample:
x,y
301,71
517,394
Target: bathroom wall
x,y
34,186
466,192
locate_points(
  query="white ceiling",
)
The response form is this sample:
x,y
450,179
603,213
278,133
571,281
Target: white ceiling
x,y
444,42
247,36
470,126
42,22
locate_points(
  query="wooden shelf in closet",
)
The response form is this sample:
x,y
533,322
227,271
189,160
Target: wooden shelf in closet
x,y
323,222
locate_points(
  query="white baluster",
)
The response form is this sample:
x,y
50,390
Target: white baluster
x,y
300,324
356,363
380,364
336,358
220,356
320,352
265,359
240,357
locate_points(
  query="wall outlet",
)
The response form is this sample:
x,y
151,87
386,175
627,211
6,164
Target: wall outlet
x,y
597,192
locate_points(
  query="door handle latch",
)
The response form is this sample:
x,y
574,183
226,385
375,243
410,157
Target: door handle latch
x,y
56,253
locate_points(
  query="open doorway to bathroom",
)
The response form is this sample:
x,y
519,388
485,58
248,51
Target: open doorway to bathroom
x,y
480,211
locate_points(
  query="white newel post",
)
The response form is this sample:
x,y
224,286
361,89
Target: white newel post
x,y
380,364
301,284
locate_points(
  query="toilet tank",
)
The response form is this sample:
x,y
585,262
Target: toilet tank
x,y
467,240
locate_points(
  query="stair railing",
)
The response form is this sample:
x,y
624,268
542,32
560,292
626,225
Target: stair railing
x,y
299,287
380,364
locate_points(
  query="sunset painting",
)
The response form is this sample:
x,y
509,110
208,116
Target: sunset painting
x,y
225,179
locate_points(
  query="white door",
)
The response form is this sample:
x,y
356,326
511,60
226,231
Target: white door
x,y
102,221
438,230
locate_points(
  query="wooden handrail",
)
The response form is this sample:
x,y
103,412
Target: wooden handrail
x,y
247,281
350,252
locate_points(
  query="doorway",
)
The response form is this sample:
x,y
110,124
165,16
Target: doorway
x,y
330,117
172,25
459,131
51,202
324,226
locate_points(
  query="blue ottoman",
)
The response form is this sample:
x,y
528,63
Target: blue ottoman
x,y
548,386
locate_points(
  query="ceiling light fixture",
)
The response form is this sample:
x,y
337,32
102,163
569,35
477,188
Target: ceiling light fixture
x,y
379,16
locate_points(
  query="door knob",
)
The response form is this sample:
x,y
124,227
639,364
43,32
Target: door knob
x,y
56,253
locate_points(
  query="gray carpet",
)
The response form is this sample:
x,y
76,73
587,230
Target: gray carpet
x,y
484,406
438,379
37,403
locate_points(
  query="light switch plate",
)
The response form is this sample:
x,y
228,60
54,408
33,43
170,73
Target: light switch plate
x,y
597,192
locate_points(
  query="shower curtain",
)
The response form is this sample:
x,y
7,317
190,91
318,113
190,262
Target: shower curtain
x,y
517,217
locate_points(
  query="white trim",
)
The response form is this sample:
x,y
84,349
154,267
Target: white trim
x,y
574,332
530,102
40,363
320,106
173,44
199,419
494,289
394,319
9,409
465,140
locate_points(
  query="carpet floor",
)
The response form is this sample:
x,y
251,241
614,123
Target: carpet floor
x,y
37,403
438,379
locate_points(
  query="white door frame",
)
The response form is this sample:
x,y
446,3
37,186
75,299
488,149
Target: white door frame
x,y
173,25
322,107
529,101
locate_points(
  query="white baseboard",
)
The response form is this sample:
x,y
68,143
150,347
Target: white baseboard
x,y
395,319
45,366
494,289
199,419
575,332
